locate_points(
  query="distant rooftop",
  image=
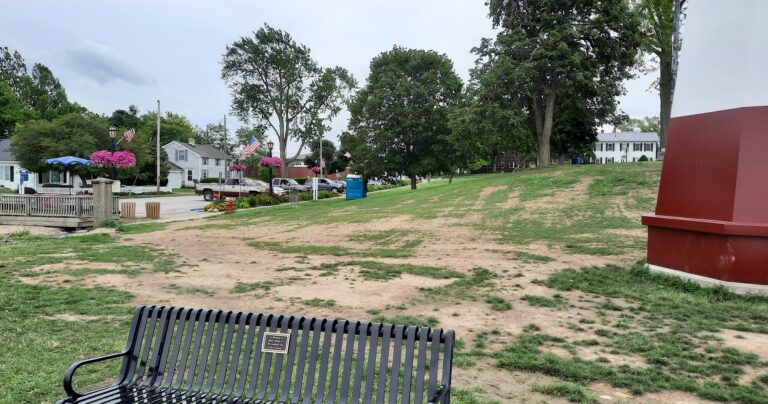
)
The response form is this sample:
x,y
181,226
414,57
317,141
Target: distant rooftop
x,y
628,137
206,150
5,152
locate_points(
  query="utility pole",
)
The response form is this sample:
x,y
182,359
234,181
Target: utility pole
x,y
157,146
321,156
224,136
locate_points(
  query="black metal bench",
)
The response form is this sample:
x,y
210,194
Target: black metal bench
x,y
181,355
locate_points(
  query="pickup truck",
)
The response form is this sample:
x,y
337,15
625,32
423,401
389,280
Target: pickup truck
x,y
232,187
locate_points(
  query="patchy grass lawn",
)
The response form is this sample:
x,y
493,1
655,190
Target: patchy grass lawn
x,y
487,255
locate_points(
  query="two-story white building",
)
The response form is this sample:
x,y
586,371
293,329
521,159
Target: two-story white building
x,y
198,161
624,147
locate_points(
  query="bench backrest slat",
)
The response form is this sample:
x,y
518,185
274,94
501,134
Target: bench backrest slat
x,y
221,355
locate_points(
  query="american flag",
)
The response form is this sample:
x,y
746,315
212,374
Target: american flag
x,y
129,134
251,147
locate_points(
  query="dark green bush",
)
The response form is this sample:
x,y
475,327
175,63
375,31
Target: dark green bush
x,y
301,180
212,180
56,186
643,158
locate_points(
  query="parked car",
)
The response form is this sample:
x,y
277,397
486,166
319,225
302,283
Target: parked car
x,y
325,184
288,184
232,187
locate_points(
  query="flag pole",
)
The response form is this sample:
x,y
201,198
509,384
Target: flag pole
x,y
157,146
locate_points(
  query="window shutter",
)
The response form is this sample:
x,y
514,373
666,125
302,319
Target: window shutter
x,y
11,167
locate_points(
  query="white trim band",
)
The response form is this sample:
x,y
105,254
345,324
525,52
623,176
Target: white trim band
x,y
735,287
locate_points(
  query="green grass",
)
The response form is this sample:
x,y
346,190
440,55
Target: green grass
x,y
180,290
529,257
568,221
408,320
141,227
498,303
381,271
569,391
541,301
264,286
669,323
466,288
290,248
319,302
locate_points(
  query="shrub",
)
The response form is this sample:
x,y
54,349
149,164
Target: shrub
x,y
211,180
325,194
264,174
643,158
252,201
268,200
302,180
243,203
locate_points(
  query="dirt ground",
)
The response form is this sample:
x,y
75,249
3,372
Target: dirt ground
x,y
214,261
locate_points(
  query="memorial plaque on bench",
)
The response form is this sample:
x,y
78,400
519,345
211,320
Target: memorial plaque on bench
x,y
276,342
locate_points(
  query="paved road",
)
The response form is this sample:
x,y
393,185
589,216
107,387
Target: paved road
x,y
172,207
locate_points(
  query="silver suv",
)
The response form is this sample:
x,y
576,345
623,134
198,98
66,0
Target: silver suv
x,y
288,184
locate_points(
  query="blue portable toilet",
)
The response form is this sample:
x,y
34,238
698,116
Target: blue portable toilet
x,y
355,187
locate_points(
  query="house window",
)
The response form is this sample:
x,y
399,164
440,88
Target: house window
x,y
218,162
181,155
637,147
189,175
502,165
53,177
610,146
226,163
6,173
649,147
204,174
205,161
599,147
608,160
599,160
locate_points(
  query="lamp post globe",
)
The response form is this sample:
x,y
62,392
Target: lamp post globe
x,y
112,135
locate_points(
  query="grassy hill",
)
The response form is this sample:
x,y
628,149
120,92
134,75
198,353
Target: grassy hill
x,y
539,272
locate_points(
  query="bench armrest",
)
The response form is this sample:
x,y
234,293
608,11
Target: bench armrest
x,y
439,395
71,393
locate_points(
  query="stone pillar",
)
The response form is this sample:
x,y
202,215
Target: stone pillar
x,y
102,201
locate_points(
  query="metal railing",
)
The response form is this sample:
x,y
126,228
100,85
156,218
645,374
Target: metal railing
x,y
51,205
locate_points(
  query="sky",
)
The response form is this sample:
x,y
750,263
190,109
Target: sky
x,y
112,54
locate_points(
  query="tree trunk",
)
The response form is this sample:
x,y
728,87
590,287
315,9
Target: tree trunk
x,y
413,182
450,178
665,98
544,122
284,157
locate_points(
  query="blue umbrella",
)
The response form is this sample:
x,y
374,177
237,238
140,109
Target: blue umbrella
x,y
68,160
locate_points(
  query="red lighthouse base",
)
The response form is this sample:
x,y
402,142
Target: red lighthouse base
x,y
711,221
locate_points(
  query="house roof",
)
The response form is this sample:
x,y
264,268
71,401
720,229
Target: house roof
x,y
5,150
628,137
206,150
174,167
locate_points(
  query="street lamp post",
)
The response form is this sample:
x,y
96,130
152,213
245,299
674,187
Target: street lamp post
x,y
112,136
270,145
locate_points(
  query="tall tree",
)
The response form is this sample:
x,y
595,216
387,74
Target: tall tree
x,y
333,161
646,124
660,26
401,115
69,135
547,50
11,111
275,82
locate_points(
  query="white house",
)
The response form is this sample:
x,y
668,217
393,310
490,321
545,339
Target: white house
x,y
10,169
623,147
197,161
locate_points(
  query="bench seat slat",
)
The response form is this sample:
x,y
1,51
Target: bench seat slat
x,y
184,355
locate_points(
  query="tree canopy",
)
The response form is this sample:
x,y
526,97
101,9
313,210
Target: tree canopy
x,y
551,55
275,82
399,119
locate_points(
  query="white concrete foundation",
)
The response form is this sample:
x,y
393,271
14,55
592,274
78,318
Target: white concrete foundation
x,y
735,287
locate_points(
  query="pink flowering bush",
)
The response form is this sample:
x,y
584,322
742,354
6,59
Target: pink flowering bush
x,y
236,167
120,159
101,158
273,162
315,169
123,159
